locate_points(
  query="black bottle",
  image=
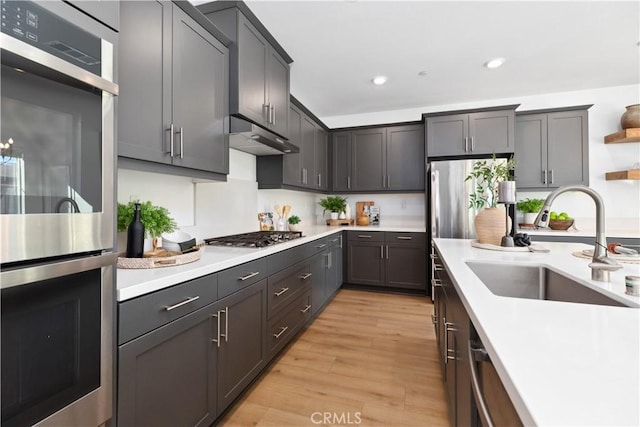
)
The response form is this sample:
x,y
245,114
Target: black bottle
x,y
135,235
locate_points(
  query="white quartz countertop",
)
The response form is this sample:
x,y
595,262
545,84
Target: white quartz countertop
x,y
133,283
561,363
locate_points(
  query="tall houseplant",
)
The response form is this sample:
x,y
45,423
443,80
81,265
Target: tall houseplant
x,y
489,223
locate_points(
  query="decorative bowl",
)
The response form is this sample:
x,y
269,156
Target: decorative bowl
x,y
560,224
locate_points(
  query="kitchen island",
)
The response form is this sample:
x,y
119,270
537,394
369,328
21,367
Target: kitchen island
x,y
561,363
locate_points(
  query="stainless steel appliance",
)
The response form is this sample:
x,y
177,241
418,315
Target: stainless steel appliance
x,y
448,211
257,239
57,132
57,225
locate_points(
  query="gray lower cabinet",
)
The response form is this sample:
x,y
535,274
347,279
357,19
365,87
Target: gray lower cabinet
x,y
335,265
378,159
552,148
173,77
326,268
189,370
319,264
260,70
471,132
386,259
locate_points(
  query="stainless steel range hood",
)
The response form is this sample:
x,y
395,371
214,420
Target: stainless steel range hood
x,y
250,138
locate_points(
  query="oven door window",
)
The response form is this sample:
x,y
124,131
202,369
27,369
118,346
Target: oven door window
x,y
50,345
51,142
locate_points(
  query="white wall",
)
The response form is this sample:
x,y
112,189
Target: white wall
x,y
212,209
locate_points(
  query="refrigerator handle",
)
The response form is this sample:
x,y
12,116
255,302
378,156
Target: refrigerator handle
x,y
434,203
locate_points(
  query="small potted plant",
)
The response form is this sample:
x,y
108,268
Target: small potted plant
x,y
485,175
294,223
530,209
333,204
156,220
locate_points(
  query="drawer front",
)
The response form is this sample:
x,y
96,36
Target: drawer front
x,y
335,240
404,237
141,315
283,327
285,286
281,260
366,236
238,278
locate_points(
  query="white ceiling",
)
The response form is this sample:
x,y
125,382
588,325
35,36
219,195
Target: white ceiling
x,y
338,46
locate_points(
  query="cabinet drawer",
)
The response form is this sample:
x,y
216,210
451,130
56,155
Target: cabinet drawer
x,y
282,328
335,240
284,286
237,278
284,259
366,236
404,237
141,315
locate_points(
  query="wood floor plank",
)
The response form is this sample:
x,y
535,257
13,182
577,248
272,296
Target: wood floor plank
x,y
369,359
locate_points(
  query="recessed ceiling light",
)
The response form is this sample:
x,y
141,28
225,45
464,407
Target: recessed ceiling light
x,y
422,73
494,63
379,80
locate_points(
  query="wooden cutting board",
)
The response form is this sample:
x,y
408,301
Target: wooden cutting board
x,y
360,215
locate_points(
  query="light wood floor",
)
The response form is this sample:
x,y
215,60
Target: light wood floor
x,y
369,357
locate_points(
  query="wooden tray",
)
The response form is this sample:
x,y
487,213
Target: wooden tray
x,y
157,262
333,222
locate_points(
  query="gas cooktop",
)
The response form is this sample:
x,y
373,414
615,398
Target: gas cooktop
x,y
257,239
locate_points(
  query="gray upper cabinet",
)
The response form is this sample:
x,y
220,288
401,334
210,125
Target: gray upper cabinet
x,y
321,175
405,157
379,159
308,151
292,169
471,132
552,148
260,73
173,89
105,11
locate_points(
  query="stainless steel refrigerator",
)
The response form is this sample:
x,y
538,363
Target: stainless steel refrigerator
x,y
448,211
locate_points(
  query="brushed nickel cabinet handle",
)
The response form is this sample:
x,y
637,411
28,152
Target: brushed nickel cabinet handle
x,y
349,182
273,115
282,291
381,251
550,176
307,308
249,276
388,181
217,340
437,283
544,176
471,139
406,238
181,143
226,324
437,267
170,139
364,236
306,276
448,327
181,303
433,319
466,144
320,246
282,331
387,246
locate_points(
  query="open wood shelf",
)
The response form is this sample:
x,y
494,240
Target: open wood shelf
x,y
628,174
625,135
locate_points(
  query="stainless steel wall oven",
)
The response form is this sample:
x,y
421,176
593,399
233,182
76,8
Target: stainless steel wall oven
x,y
57,176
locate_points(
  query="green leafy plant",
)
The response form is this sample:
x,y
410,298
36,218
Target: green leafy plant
x,y
530,205
294,219
333,204
156,219
487,175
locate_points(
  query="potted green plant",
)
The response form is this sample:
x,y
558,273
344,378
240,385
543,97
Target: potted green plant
x,y
333,204
156,220
489,223
294,223
530,208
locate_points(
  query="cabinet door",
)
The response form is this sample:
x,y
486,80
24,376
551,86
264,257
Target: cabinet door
x,y
531,150
167,377
368,159
308,151
321,156
491,132
405,157
405,265
365,263
278,93
200,90
319,279
447,135
568,152
242,351
292,163
334,265
144,69
459,341
341,161
253,50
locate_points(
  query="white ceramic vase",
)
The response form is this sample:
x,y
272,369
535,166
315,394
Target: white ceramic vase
x,y
334,215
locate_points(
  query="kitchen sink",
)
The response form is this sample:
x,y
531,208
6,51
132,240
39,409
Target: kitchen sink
x,y
537,282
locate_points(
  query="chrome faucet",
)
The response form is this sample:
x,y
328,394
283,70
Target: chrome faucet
x,y
600,264
74,205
